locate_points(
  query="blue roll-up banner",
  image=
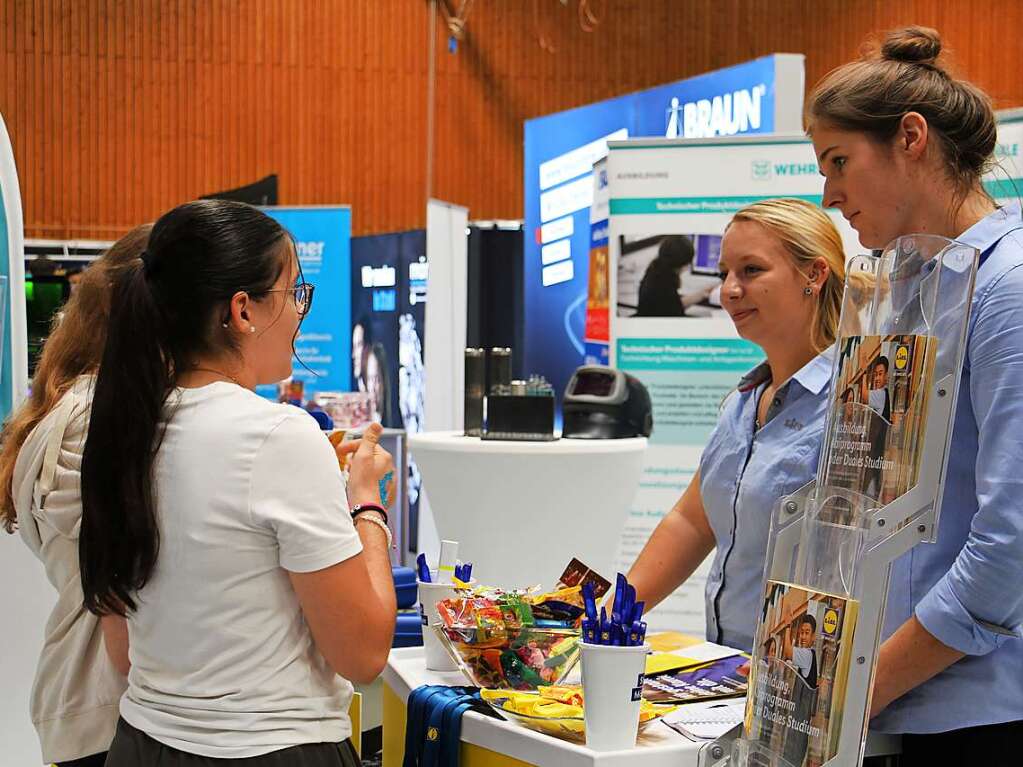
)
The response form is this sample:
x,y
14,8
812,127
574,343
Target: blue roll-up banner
x,y
14,363
758,96
322,236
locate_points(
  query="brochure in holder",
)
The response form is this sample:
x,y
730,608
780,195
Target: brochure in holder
x,y
878,491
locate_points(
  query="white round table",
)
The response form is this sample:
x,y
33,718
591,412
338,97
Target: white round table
x,y
521,510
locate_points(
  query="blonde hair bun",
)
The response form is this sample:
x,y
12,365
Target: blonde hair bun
x,y
912,45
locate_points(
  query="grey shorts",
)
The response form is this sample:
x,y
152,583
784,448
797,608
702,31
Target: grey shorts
x,y
133,748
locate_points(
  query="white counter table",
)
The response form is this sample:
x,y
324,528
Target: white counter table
x,y
488,742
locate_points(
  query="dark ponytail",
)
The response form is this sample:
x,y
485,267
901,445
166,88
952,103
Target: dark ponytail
x,y
162,317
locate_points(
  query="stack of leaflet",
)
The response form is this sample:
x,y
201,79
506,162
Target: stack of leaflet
x,y
707,720
700,672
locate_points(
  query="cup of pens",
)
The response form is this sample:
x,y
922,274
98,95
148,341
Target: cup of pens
x,y
614,654
435,586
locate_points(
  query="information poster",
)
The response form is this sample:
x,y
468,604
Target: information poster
x,y
322,350
755,97
598,293
389,278
1004,181
670,202
13,336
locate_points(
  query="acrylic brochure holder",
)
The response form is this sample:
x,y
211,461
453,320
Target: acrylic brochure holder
x,y
878,491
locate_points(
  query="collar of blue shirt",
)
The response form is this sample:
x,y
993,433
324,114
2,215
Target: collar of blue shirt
x,y
813,376
992,228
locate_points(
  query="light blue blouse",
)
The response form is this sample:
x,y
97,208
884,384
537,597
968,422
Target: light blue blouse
x,y
743,472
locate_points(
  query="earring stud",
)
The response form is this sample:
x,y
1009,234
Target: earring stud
x,y
808,291
252,328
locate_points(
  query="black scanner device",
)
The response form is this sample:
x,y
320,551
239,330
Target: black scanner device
x,y
605,403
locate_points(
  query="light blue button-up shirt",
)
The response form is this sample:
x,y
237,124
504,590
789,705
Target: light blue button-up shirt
x,y
967,588
743,473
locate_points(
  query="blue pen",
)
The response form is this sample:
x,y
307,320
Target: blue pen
x,y
616,608
637,628
628,600
605,628
626,616
590,601
423,568
589,624
618,634
589,631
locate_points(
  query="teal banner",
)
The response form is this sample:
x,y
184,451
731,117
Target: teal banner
x,y
716,354
631,206
687,379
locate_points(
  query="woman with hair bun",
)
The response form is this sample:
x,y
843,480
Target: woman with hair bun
x,y
903,146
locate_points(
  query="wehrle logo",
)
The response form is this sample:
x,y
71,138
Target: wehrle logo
x,y
764,170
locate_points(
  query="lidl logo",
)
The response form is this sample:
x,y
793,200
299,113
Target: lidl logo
x,y
901,357
830,621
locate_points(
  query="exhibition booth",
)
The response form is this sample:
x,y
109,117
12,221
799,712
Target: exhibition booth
x,y
548,447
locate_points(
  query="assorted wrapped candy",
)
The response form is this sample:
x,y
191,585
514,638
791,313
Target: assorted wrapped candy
x,y
512,640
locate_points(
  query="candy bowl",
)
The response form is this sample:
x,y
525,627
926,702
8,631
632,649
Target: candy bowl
x,y
513,658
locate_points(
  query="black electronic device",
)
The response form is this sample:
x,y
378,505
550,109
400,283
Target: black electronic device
x,y
604,403
520,417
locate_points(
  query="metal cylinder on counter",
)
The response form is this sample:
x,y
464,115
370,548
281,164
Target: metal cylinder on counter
x,y
500,369
475,378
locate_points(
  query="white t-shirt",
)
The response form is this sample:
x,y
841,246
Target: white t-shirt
x,y
222,662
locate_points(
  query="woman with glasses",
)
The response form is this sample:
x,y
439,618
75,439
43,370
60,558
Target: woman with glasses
x,y
253,582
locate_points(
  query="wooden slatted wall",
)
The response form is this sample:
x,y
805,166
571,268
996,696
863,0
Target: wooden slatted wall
x,y
119,109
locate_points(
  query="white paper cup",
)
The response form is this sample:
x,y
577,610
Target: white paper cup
x,y
437,657
612,684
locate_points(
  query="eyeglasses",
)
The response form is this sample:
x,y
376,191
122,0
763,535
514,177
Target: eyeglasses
x,y
303,295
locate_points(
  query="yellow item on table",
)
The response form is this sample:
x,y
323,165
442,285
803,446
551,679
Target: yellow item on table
x,y
557,711
666,641
659,662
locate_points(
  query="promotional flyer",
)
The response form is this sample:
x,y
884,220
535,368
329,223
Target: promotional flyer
x,y
880,407
797,690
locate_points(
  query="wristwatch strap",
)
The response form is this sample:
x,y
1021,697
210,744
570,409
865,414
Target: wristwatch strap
x,y
358,508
